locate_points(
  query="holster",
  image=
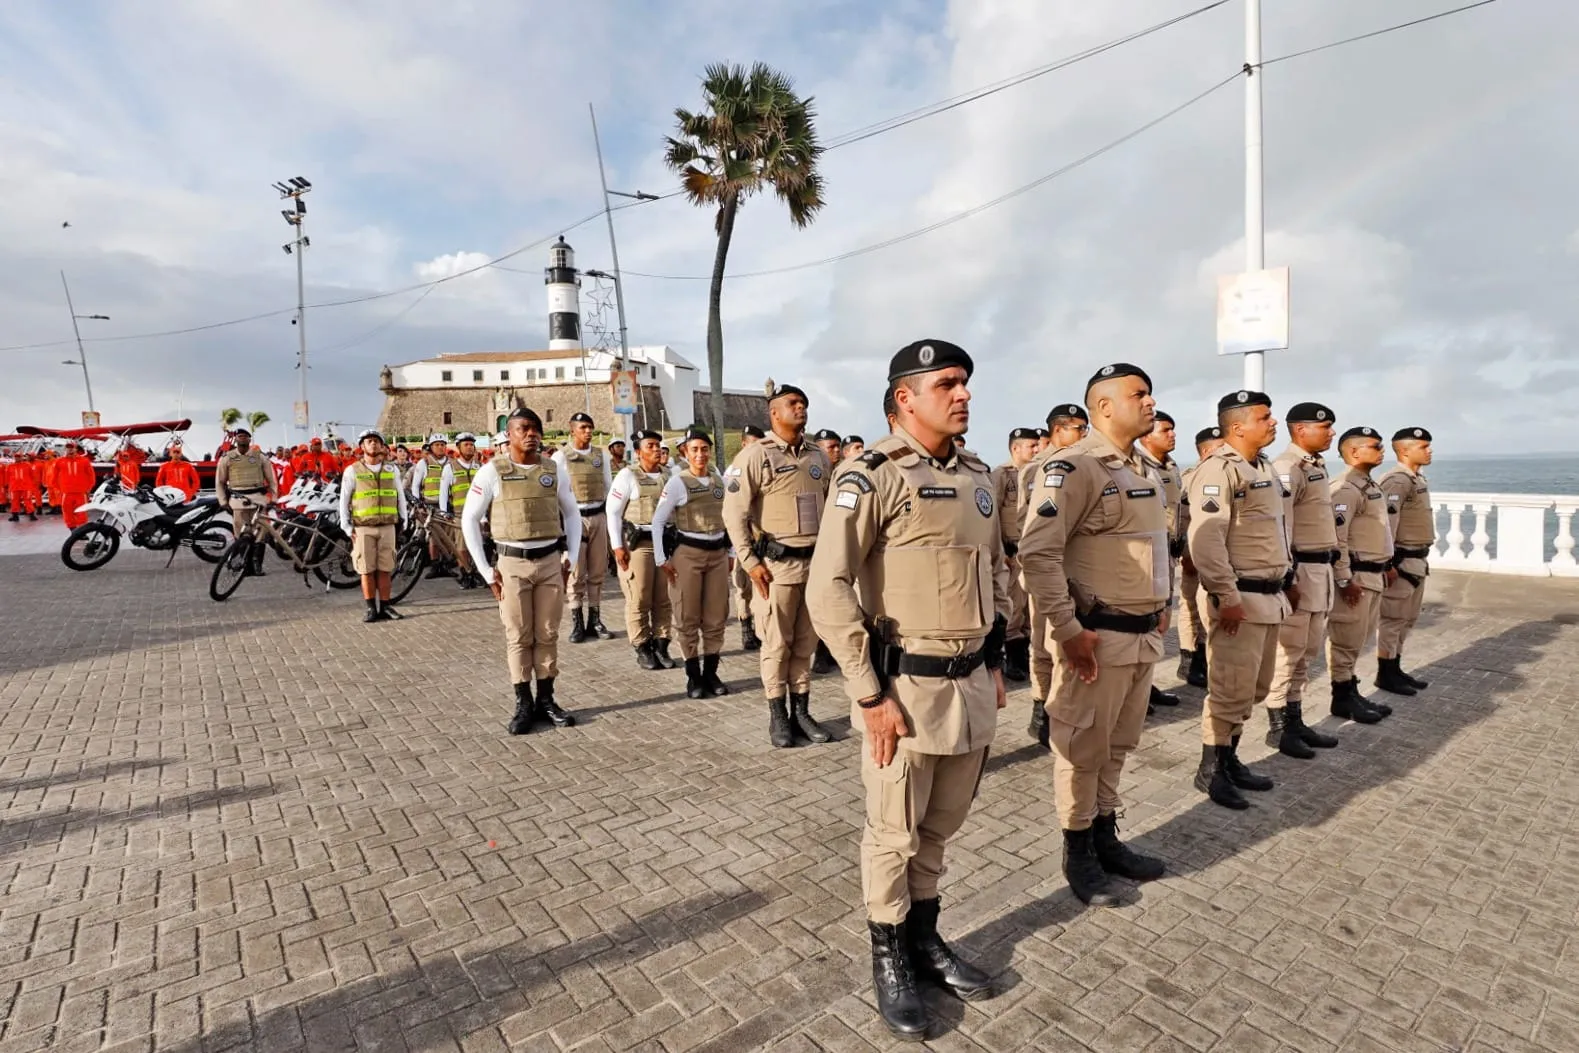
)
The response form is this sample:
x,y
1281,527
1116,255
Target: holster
x,y
884,653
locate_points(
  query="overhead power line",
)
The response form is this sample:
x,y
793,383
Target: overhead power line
x,y
1377,33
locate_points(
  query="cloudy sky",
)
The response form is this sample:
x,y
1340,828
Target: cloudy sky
x,y
1420,185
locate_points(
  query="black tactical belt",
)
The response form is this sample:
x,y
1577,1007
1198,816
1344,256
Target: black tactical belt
x,y
708,544
1138,624
1365,566
590,510
767,548
1265,588
1413,579
1011,549
1411,553
247,493
530,552
1328,556
956,668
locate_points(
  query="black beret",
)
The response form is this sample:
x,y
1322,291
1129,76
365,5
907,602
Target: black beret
x,y
1411,433
581,418
1042,433
1067,409
1116,370
1022,433
848,439
527,415
1309,413
1206,435
1358,433
753,431
827,435
777,391
696,431
927,356
1165,417
1241,399
642,436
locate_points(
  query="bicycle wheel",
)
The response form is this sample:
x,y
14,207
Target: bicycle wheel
x,y
231,569
410,561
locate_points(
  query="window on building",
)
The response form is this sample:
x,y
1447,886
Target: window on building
x,y
578,372
476,376
548,416
654,371
446,376
559,372
447,416
542,374
504,374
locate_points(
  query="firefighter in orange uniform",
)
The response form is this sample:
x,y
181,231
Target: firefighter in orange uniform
x,y
129,465
22,481
75,478
178,472
46,477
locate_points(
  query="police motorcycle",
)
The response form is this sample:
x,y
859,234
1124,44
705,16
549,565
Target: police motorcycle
x,y
158,518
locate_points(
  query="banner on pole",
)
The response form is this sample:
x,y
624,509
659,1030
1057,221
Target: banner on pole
x,y
301,414
1252,311
90,419
624,387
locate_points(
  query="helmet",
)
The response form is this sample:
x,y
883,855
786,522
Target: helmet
x,y
436,438
369,433
465,436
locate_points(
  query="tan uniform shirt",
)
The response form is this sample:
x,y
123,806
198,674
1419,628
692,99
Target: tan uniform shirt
x,y
1309,523
1181,523
1006,483
1360,529
915,539
777,490
1236,532
1172,491
1409,507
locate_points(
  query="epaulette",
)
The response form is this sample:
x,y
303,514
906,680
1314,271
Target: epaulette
x,y
872,459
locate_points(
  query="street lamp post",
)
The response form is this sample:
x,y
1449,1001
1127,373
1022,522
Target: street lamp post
x,y
82,354
293,189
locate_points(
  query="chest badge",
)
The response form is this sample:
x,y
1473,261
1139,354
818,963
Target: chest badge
x,y
718,493
597,460
983,502
545,481
815,471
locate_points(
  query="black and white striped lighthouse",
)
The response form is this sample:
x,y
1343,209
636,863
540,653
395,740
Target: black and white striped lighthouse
x,y
564,298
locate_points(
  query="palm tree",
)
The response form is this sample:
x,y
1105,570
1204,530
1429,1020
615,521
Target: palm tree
x,y
229,418
257,419
754,133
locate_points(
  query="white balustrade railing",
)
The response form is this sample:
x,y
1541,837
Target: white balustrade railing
x,y
1510,533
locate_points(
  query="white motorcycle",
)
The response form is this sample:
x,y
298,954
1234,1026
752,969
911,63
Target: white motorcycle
x,y
160,519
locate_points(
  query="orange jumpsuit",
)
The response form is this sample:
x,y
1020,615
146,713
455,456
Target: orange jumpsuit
x,y
22,480
75,477
129,468
284,474
179,474
46,477
5,490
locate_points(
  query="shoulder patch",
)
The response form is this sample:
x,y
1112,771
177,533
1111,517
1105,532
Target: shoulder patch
x,y
873,458
1067,466
1053,480
733,470
856,481
1047,509
847,499
1211,505
1212,490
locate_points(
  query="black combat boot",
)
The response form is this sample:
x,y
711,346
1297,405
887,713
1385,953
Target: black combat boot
x,y
1211,778
779,724
578,626
1197,674
1118,858
1242,776
660,651
595,624
1284,734
1390,678
935,961
1163,698
693,678
1414,681
1038,728
822,660
525,710
435,570
899,1000
647,656
372,612
1017,660
1382,708
749,640
1309,735
1185,658
1087,880
547,707
1348,703
711,685
800,718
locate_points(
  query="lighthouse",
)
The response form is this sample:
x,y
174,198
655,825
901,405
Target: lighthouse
x,y
564,298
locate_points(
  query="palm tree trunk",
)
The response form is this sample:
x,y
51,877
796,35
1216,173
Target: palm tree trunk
x,y
715,325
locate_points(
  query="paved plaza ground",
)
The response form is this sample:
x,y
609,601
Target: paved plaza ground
x,y
262,825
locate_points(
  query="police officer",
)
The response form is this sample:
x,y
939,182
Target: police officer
x,y
832,447
1362,571
616,450
696,565
920,654
1314,546
532,518
244,482
773,505
633,498
427,482
1192,631
455,481
590,480
372,504
749,640
1095,552
1413,519
854,446
1006,484
1241,555
1156,448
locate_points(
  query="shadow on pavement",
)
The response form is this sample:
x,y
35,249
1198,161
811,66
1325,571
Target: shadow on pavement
x,y
47,828
107,770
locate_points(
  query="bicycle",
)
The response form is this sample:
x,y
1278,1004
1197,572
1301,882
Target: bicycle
x,y
313,545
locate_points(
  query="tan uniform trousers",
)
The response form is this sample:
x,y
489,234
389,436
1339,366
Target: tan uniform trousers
x,y
699,598
1019,604
1192,631
1298,642
646,597
1349,630
592,565
244,508
1238,675
1041,653
788,640
1094,728
1401,604
913,807
531,604
743,591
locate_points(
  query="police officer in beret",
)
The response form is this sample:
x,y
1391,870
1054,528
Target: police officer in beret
x,y
1413,519
591,477
921,642
832,447
749,640
1362,571
854,446
1156,448
697,564
633,499
1095,553
1192,631
1314,547
1043,439
773,503
1241,555
1006,480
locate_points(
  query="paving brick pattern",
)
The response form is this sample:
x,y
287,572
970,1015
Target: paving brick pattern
x,y
260,825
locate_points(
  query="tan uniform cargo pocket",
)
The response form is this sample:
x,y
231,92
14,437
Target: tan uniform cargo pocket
x,y
890,807
934,590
